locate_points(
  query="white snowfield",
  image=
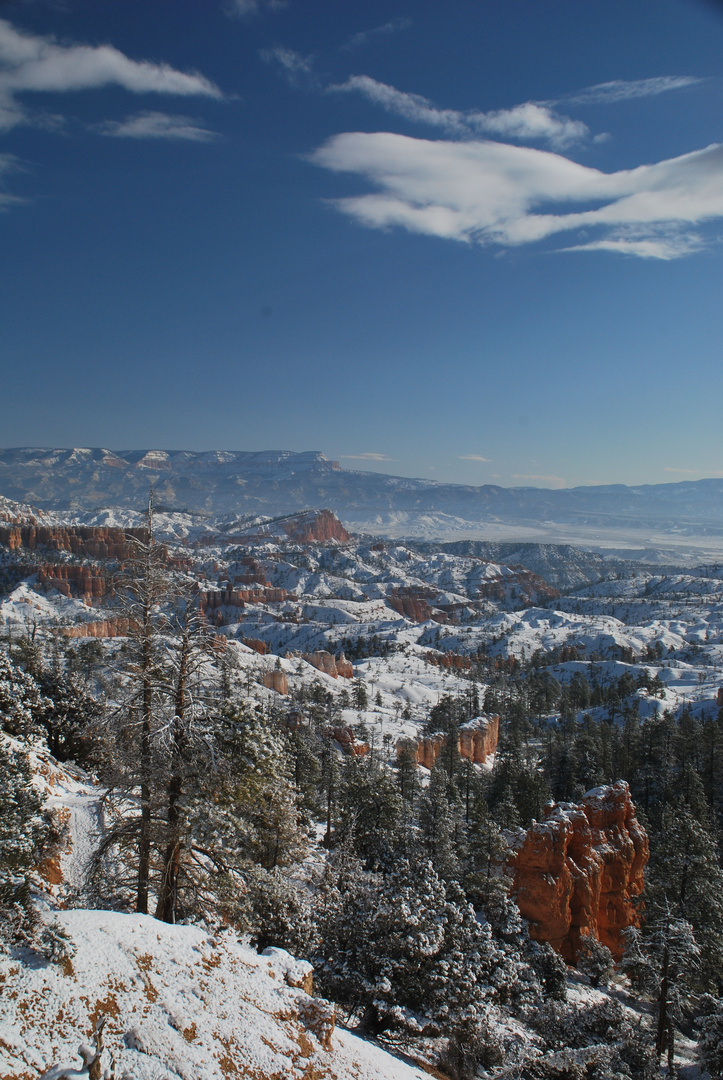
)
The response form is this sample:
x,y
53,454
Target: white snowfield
x,y
180,1005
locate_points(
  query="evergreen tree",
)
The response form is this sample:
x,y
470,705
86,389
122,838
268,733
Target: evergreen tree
x,y
374,816
21,702
440,823
685,879
22,833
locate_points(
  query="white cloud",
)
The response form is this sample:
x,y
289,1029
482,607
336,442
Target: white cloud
x,y
8,164
253,7
493,193
31,63
531,120
391,27
295,68
472,457
157,125
608,93
364,457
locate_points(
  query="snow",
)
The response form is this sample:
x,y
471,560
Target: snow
x,y
181,1004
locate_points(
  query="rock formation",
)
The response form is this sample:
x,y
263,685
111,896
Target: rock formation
x,y
108,628
324,661
578,872
477,742
276,680
210,599
315,527
346,739
91,541
72,580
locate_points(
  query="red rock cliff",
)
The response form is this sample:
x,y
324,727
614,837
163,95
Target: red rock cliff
x,y
477,742
578,871
315,527
92,541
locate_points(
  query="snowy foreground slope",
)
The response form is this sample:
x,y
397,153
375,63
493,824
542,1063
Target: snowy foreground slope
x,y
180,1003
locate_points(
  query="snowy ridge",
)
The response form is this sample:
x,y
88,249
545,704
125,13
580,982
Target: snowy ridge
x,y
182,1004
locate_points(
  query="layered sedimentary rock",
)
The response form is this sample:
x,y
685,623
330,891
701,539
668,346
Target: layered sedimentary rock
x,y
330,665
83,581
411,607
578,872
107,628
518,584
316,527
91,541
277,681
210,599
477,742
449,660
347,741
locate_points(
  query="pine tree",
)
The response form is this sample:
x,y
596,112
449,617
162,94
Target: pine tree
x,y
663,963
685,879
22,833
374,816
21,702
440,824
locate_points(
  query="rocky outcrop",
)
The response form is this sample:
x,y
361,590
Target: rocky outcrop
x,y
276,680
90,541
346,739
308,527
69,580
335,667
478,739
315,527
411,607
578,872
253,643
477,742
212,599
449,660
517,586
344,667
108,628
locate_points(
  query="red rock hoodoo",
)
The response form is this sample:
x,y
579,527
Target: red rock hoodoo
x,y
316,527
578,872
324,661
91,541
276,680
477,742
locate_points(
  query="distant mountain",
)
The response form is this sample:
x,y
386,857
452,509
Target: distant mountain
x,y
271,483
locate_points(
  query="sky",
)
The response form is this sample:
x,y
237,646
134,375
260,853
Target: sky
x,y
477,241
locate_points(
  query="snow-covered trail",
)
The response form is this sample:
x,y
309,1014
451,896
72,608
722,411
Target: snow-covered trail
x,y
82,812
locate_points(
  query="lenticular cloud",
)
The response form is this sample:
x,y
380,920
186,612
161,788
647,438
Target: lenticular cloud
x,y
494,193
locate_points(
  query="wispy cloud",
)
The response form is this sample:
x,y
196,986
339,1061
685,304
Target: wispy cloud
x,y
472,457
364,36
298,70
551,481
531,120
245,8
30,63
686,472
157,125
494,193
8,164
365,457
609,93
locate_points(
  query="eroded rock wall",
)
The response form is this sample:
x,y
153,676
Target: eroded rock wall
x,y
579,871
477,742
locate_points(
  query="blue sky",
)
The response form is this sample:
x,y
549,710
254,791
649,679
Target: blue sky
x,y
477,241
